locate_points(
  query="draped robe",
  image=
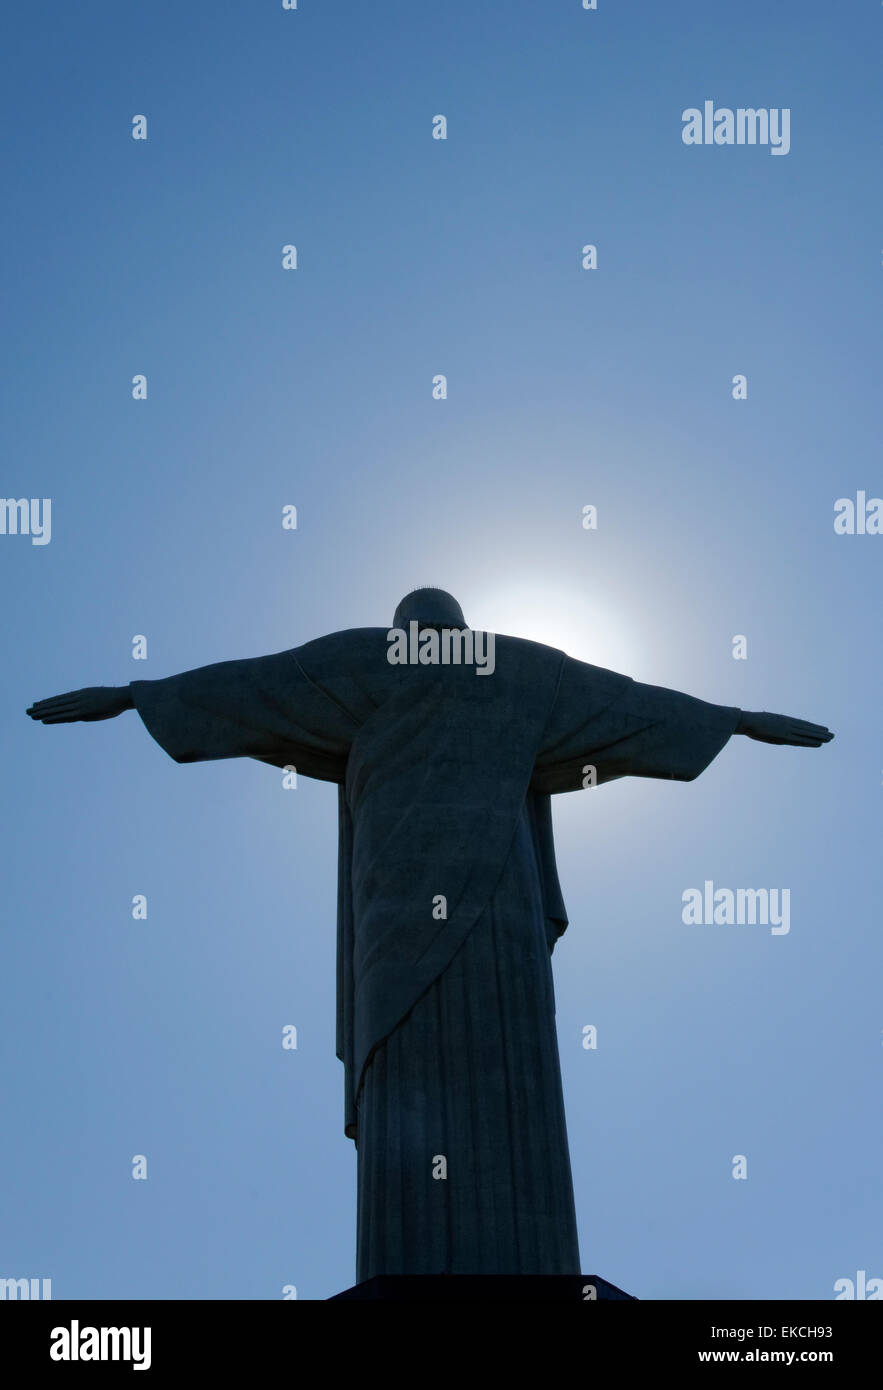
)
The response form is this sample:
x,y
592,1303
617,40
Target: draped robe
x,y
449,907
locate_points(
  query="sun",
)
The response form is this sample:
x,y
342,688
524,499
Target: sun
x,y
586,627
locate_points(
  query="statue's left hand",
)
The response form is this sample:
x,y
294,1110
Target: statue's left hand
x,y
783,728
91,703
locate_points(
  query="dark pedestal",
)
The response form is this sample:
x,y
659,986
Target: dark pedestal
x,y
446,1288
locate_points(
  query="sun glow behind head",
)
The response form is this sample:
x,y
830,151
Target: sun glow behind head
x,y
584,626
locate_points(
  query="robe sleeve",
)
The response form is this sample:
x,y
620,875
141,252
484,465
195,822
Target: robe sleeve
x,y
264,707
644,731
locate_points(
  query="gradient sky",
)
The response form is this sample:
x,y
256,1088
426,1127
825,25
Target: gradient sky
x,y
313,387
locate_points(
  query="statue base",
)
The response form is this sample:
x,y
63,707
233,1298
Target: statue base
x,y
435,1288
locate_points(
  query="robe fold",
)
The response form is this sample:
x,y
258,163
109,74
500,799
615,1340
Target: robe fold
x,y
449,906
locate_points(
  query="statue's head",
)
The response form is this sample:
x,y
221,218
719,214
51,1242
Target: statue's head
x,y
430,608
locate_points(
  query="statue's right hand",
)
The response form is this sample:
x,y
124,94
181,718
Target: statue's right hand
x,y
91,703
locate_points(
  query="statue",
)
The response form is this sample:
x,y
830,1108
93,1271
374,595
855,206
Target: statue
x,y
449,904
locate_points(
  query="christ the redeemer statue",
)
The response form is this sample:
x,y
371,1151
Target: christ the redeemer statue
x,y
449,904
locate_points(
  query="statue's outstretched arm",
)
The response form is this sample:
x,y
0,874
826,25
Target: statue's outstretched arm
x,y
264,707
646,731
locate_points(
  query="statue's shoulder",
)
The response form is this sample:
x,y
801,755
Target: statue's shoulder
x,y
342,652
523,649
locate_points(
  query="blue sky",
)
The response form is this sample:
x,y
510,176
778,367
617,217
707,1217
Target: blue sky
x,y
313,387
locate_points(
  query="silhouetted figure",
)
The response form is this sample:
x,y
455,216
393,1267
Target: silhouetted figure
x,y
449,904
